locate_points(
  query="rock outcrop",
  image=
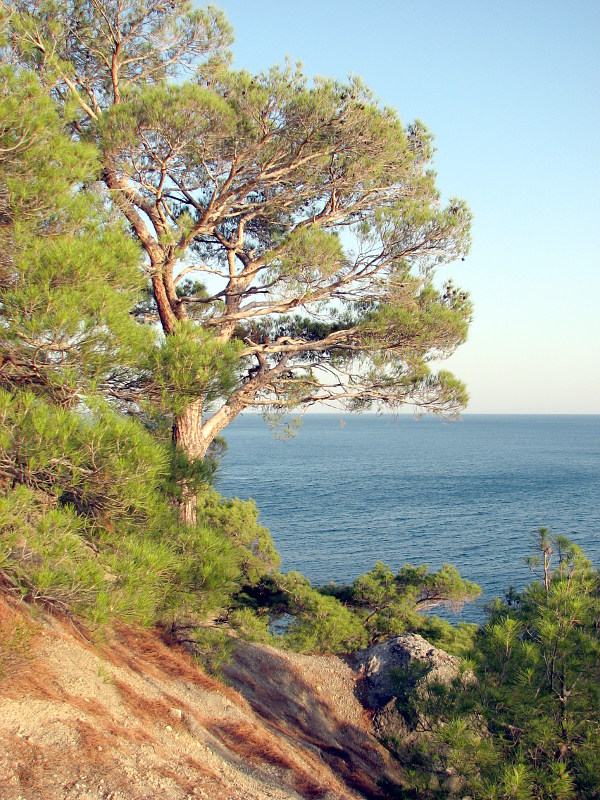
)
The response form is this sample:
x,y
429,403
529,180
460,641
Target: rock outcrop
x,y
403,664
399,670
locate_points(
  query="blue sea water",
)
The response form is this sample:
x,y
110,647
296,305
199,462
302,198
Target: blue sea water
x,y
337,498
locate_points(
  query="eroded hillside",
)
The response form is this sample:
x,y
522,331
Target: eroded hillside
x,y
134,717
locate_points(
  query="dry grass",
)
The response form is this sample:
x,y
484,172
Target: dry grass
x,y
17,633
199,768
22,672
152,653
182,781
31,767
251,744
115,731
95,748
146,710
256,745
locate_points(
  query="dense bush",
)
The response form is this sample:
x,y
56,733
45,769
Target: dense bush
x,y
391,604
346,618
88,528
528,727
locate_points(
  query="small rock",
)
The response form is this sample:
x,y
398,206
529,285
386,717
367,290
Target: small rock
x,y
176,713
169,728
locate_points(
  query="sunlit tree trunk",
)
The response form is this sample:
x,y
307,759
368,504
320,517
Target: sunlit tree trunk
x,y
187,434
195,437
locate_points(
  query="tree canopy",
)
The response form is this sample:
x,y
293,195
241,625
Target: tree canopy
x,y
87,519
290,227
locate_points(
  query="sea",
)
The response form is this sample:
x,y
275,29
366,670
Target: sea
x,y
348,491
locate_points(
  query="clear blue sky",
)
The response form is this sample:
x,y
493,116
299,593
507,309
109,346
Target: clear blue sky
x,y
511,91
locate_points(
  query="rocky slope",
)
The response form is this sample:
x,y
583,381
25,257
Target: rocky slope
x,y
133,717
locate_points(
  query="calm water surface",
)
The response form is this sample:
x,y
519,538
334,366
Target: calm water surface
x,y
338,499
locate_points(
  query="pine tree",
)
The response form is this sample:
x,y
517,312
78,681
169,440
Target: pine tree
x,y
526,725
290,228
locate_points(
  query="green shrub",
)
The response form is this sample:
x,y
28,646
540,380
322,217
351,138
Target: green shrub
x,y
213,648
311,621
528,726
45,553
251,626
103,464
238,521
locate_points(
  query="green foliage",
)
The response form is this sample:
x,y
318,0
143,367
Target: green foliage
x,y
346,618
301,618
542,659
251,626
192,475
529,725
39,162
103,540
193,363
68,272
188,114
101,463
239,522
390,604
318,623
45,553
280,193
210,565
212,648
111,545
87,516
456,639
306,257
158,41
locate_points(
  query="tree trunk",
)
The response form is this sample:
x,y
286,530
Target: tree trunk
x,y
195,437
187,430
188,434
